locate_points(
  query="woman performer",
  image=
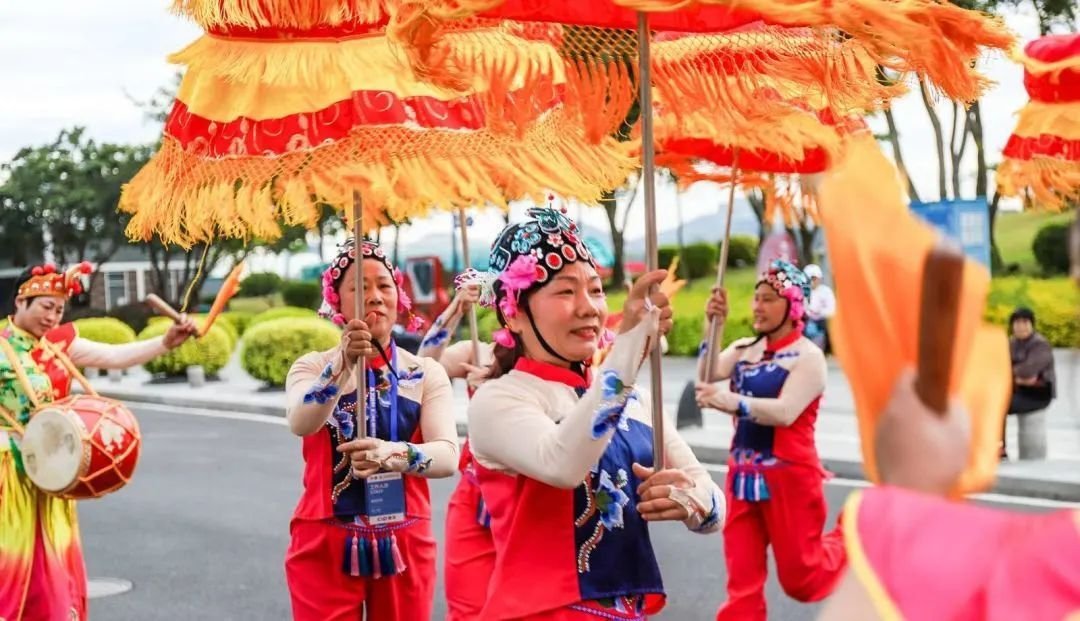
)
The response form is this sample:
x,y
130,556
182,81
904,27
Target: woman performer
x,y
775,479
565,460
361,533
917,555
470,551
42,575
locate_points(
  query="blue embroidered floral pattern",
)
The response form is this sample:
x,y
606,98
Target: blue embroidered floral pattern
x,y
322,391
525,238
410,377
712,518
610,499
612,411
417,461
436,336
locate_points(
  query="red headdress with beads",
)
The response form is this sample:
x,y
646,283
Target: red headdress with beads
x,y
47,280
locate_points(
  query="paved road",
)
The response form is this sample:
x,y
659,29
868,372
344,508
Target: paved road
x,y
202,530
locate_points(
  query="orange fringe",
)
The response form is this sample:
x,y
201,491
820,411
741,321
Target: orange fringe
x,y
935,39
186,199
1053,183
282,13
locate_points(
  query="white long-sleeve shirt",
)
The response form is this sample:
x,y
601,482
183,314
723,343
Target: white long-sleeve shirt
x,y
86,353
822,303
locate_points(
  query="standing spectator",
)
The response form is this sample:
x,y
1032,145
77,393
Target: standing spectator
x,y
1034,384
821,308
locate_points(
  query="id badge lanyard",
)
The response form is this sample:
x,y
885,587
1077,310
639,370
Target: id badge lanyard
x,y
373,399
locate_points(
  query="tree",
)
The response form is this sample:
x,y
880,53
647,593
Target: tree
x,y
62,196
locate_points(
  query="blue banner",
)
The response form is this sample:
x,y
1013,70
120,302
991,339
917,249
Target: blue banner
x,y
965,222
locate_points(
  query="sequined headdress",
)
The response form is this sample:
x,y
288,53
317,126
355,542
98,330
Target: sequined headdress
x,y
332,278
789,282
47,280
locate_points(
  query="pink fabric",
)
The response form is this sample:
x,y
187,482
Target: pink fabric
x,y
958,561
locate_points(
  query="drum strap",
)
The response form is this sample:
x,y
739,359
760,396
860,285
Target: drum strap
x,y
20,372
70,366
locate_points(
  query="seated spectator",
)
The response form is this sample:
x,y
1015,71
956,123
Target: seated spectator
x,y
1034,384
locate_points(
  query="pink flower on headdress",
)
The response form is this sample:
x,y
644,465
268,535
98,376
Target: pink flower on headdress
x,y
404,301
517,277
504,337
415,323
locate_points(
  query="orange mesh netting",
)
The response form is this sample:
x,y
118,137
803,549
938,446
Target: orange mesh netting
x,y
269,123
1043,154
876,247
936,40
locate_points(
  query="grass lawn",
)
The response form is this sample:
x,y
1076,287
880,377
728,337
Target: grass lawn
x,y
1016,231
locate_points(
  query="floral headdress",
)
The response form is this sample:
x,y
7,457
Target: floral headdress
x,y
47,280
525,256
332,277
789,282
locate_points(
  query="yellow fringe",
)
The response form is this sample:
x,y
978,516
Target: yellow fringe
x,y
937,40
282,13
1039,67
186,199
1053,183
1061,120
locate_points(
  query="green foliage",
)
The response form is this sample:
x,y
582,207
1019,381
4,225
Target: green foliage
x,y
281,312
69,188
700,259
135,315
271,347
302,293
227,327
105,330
1055,301
261,284
743,251
210,352
238,319
1051,248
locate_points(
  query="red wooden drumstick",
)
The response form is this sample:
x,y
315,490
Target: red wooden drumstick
x,y
943,279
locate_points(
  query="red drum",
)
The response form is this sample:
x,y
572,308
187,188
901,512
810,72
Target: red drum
x,y
84,446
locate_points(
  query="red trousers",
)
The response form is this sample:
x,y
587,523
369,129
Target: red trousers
x,y
470,554
321,591
808,563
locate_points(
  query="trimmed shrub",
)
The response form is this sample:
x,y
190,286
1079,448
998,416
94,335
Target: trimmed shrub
x,y
211,352
1051,248
281,312
135,315
271,347
105,330
743,251
238,319
256,285
1054,300
230,330
700,259
302,293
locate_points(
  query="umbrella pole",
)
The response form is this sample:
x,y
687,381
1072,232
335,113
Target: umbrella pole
x,y
358,307
648,165
463,223
716,326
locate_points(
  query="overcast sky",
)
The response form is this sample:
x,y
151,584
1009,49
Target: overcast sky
x,y
67,63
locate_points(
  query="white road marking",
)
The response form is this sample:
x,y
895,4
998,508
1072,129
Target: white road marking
x,y
719,469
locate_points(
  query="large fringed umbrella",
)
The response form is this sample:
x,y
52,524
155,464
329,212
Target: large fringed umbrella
x,y
933,39
1042,155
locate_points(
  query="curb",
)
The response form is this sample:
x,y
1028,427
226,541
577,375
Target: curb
x,y
1006,484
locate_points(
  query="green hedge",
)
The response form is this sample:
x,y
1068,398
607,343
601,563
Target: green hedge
x,y
271,347
227,326
105,330
256,285
238,319
1056,302
281,312
211,352
1051,248
302,293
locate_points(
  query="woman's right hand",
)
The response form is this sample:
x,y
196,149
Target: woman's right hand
x,y
466,297
642,299
356,341
717,306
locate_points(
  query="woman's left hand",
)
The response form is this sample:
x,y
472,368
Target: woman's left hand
x,y
364,455
712,396
662,496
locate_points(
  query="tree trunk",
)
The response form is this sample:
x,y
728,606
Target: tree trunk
x,y
618,268
957,152
939,140
757,204
982,180
898,156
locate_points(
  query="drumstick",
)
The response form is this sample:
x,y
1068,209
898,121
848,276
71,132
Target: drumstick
x,y
226,293
943,277
11,420
163,308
